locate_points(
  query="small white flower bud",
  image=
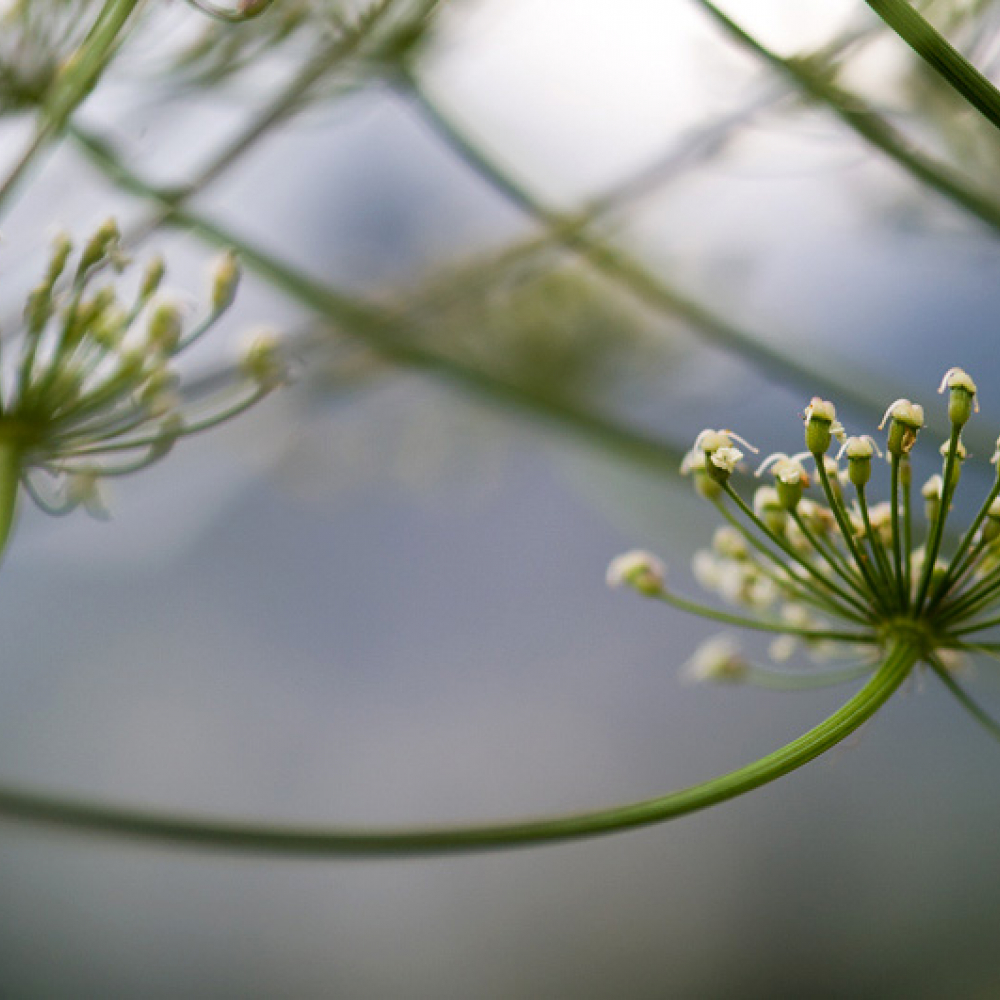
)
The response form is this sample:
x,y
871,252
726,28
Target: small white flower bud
x,y
962,395
820,418
729,543
726,459
261,361
637,569
717,659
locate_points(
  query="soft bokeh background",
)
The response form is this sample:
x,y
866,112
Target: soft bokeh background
x,y
379,599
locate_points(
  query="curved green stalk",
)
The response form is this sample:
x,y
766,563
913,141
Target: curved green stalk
x,y
122,822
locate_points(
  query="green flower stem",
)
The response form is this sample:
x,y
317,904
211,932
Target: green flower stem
x,y
941,56
835,590
222,834
979,626
991,649
779,680
10,479
833,558
957,563
897,547
762,624
835,504
973,559
971,706
877,549
779,574
81,71
908,533
937,528
196,427
976,599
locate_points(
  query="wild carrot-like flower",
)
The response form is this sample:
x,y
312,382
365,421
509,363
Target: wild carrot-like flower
x,y
834,573
89,389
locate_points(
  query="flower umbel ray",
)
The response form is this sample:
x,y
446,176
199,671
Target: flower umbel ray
x,y
814,561
89,385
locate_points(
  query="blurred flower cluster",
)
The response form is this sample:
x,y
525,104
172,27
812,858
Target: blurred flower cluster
x,y
90,383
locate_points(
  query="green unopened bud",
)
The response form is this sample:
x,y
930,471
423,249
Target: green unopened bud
x,y
991,525
931,491
820,418
261,361
225,281
100,246
62,247
38,309
859,451
906,419
164,330
152,278
956,469
768,507
961,396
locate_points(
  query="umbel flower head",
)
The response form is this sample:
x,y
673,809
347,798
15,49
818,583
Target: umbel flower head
x,y
90,387
826,570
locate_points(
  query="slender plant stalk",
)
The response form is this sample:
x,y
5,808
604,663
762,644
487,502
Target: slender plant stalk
x,y
963,698
209,833
762,624
10,480
938,53
937,528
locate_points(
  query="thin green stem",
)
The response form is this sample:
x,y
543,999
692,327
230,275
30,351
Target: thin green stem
x,y
11,461
835,589
780,680
965,700
221,834
791,585
763,624
972,602
897,546
956,563
877,549
937,529
831,556
938,53
840,514
979,626
907,474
